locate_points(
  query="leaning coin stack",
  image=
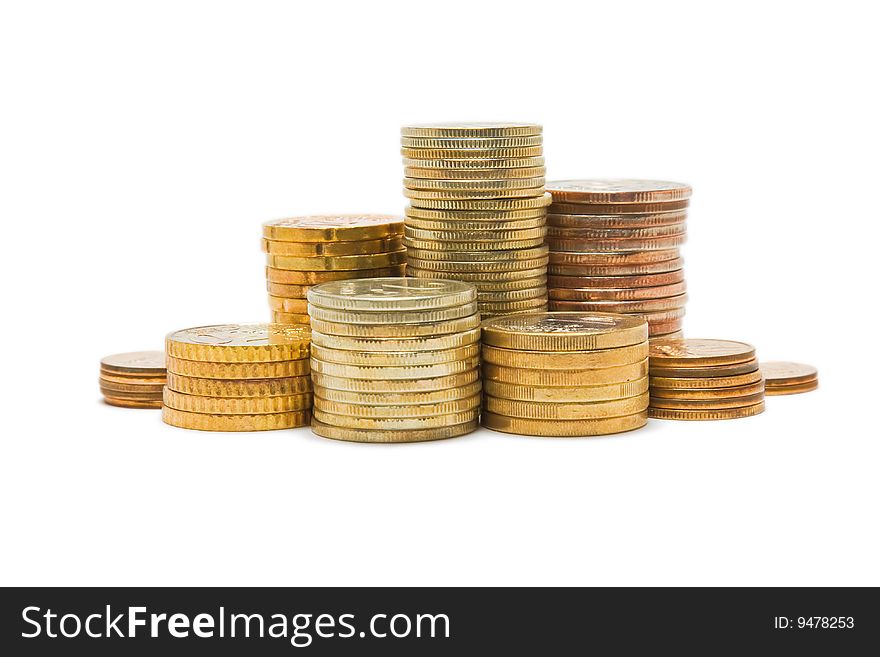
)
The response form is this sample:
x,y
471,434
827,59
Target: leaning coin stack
x,y
565,374
395,359
238,377
477,210
704,380
614,246
134,379
785,378
304,251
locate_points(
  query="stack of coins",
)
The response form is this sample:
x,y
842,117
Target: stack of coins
x,y
565,374
614,246
785,378
395,359
238,377
477,210
704,380
304,251
134,379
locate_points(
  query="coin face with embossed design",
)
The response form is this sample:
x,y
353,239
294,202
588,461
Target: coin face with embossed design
x,y
617,190
561,331
135,362
389,294
333,227
693,352
240,343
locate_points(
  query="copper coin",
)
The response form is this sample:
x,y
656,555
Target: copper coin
x,y
705,372
600,221
647,280
705,414
132,403
600,234
615,208
792,389
715,382
135,363
778,372
618,190
643,306
708,393
617,294
707,404
664,316
698,352
587,257
664,266
674,334
615,246
670,329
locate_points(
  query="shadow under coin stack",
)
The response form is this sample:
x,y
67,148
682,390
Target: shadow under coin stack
x,y
614,246
304,251
395,359
134,379
238,377
565,374
694,379
477,210
785,378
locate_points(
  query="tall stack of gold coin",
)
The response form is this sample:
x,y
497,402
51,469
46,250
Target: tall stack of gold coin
x,y
614,246
395,359
238,377
134,379
695,379
304,251
565,374
477,210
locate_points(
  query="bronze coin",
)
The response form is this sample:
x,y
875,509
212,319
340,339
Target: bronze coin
x,y
706,372
618,190
645,280
616,221
615,269
785,373
618,294
615,208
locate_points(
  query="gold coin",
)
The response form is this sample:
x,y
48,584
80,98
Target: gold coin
x,y
514,285
292,277
130,396
618,294
391,436
136,363
499,296
430,228
287,291
285,305
792,389
691,383
442,186
130,403
531,202
618,190
394,358
662,317
482,279
642,306
314,249
275,387
492,236
526,393
606,259
217,422
397,331
461,143
693,352
447,246
554,378
333,228
222,370
616,221
475,164
390,372
131,388
395,386
708,393
707,404
673,334
617,282
446,154
787,373
565,332
290,319
337,263
392,294
239,343
393,317
701,414
113,379
563,360
601,234
454,268
566,411
489,309
396,423
401,411
415,344
237,405
616,245
705,372
563,428
421,197
617,208
480,256
500,216
399,398
471,130
575,269
427,173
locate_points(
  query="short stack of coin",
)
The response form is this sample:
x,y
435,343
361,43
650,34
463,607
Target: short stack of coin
x,y
395,359
304,251
238,377
565,374
786,378
477,210
134,379
694,379
614,246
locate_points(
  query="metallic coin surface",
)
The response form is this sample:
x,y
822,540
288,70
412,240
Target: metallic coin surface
x,y
275,387
616,245
130,403
461,246
287,291
492,296
616,221
702,383
397,411
391,372
613,258
471,130
393,317
237,405
412,344
708,393
614,269
135,362
337,263
480,256
313,249
241,370
641,306
293,277
618,190
534,266
783,372
392,294
285,305
396,423
616,282
617,208
442,186
446,154
792,389
421,196
707,404
392,436
705,414
217,422
427,173
698,352
239,343
132,379
499,216
291,319
396,330
531,202
479,143
399,398
565,360
493,235
469,229
333,228
566,411
130,396
618,294
382,386
563,428
705,372
394,358
601,234
474,163
564,378
564,332
482,279
131,388
526,393
534,304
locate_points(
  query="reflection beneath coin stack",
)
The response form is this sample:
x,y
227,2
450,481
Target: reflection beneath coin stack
x,y
477,210
395,359
614,246
305,251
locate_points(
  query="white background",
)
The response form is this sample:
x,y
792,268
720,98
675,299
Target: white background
x,y
144,143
